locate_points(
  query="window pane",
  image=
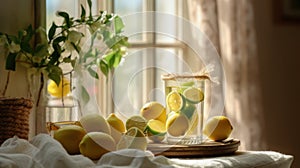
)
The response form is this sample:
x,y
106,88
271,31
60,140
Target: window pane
x,y
127,92
138,80
169,8
128,7
166,6
132,7
70,6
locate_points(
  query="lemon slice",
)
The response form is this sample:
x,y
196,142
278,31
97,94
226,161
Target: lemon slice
x,y
134,138
156,127
193,95
136,121
61,90
175,101
177,125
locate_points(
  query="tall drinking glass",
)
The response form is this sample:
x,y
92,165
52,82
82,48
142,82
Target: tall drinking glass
x,y
184,95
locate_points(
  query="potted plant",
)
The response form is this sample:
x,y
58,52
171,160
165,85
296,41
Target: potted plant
x,y
43,53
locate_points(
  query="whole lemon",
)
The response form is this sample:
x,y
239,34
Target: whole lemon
x,y
70,137
95,123
95,144
217,128
117,126
61,90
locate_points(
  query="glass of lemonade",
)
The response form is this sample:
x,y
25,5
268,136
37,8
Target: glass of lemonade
x,y
184,95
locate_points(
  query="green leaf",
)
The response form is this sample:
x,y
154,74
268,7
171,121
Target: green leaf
x,y
104,67
110,59
118,57
11,61
26,47
51,31
56,42
29,34
119,25
41,50
83,13
90,9
54,57
54,73
73,62
77,48
66,16
93,73
84,95
67,59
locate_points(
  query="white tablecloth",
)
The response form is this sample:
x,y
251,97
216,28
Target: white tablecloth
x,y
43,151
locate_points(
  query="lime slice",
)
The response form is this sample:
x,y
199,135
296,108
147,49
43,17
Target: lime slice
x,y
156,127
175,101
134,138
185,85
188,110
190,83
136,121
193,95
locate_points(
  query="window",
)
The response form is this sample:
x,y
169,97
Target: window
x,y
151,54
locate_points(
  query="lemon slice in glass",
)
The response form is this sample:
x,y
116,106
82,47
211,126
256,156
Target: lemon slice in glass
x,y
134,138
175,101
189,110
177,125
193,95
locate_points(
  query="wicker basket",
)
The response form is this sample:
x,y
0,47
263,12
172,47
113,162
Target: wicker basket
x,y
14,117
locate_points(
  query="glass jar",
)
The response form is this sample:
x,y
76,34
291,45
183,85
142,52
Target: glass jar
x,y
62,107
184,95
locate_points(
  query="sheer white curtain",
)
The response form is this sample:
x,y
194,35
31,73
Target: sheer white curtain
x,y
230,26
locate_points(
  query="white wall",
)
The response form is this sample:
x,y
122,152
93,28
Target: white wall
x,y
15,15
279,54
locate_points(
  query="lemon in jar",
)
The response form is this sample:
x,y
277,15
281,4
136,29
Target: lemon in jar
x,y
175,101
60,90
177,124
